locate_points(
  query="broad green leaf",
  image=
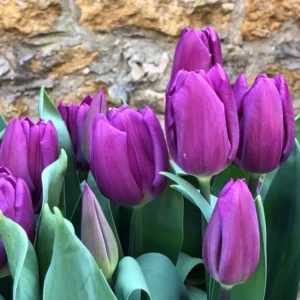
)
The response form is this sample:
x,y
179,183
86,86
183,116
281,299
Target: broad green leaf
x,y
186,263
222,178
162,278
22,260
106,208
53,182
255,287
282,210
45,240
48,111
176,169
163,224
73,272
130,280
191,193
297,119
268,178
3,123
196,294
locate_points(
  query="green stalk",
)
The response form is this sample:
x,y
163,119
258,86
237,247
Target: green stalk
x,y
252,183
204,185
137,231
225,292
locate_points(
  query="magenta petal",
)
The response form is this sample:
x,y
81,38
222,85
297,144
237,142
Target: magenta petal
x,y
110,166
288,117
214,46
160,151
240,88
191,53
223,89
14,151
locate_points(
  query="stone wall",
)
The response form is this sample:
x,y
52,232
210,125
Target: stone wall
x,y
76,47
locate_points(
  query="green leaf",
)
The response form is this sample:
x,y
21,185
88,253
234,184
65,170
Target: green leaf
x,y
106,208
73,272
268,178
3,123
48,111
297,119
255,287
186,263
53,183
191,193
22,260
162,278
282,210
196,294
163,224
130,280
222,178
45,240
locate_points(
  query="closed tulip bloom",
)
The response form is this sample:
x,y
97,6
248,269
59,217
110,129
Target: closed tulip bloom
x,y
15,204
26,150
201,121
197,50
98,105
231,243
96,234
74,116
127,152
267,126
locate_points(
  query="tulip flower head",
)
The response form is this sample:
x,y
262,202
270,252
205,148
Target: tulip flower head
x,y
16,204
96,234
201,121
231,243
26,150
127,152
197,50
74,116
267,126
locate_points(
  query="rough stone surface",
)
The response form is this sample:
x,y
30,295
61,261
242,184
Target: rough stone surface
x,y
76,47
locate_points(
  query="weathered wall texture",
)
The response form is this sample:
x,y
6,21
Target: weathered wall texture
x,y
76,47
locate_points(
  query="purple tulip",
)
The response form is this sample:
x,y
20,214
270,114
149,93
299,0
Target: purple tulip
x,y
127,152
96,234
197,50
201,121
98,105
74,116
26,150
15,204
267,126
231,242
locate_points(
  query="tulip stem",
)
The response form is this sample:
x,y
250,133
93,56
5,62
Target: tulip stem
x,y
225,292
204,185
252,183
137,231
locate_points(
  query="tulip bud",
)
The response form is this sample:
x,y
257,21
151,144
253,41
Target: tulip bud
x,y
98,105
26,150
197,50
231,242
127,152
96,234
74,116
201,121
16,204
267,126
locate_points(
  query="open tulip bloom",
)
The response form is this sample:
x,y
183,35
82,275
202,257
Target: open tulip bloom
x,y
103,203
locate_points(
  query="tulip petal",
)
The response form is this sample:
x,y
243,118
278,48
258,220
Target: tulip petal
x,y
240,88
160,151
223,89
192,111
262,133
191,53
14,152
288,113
139,143
214,46
110,165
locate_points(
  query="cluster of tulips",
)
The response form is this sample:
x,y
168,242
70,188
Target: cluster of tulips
x,y
110,217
